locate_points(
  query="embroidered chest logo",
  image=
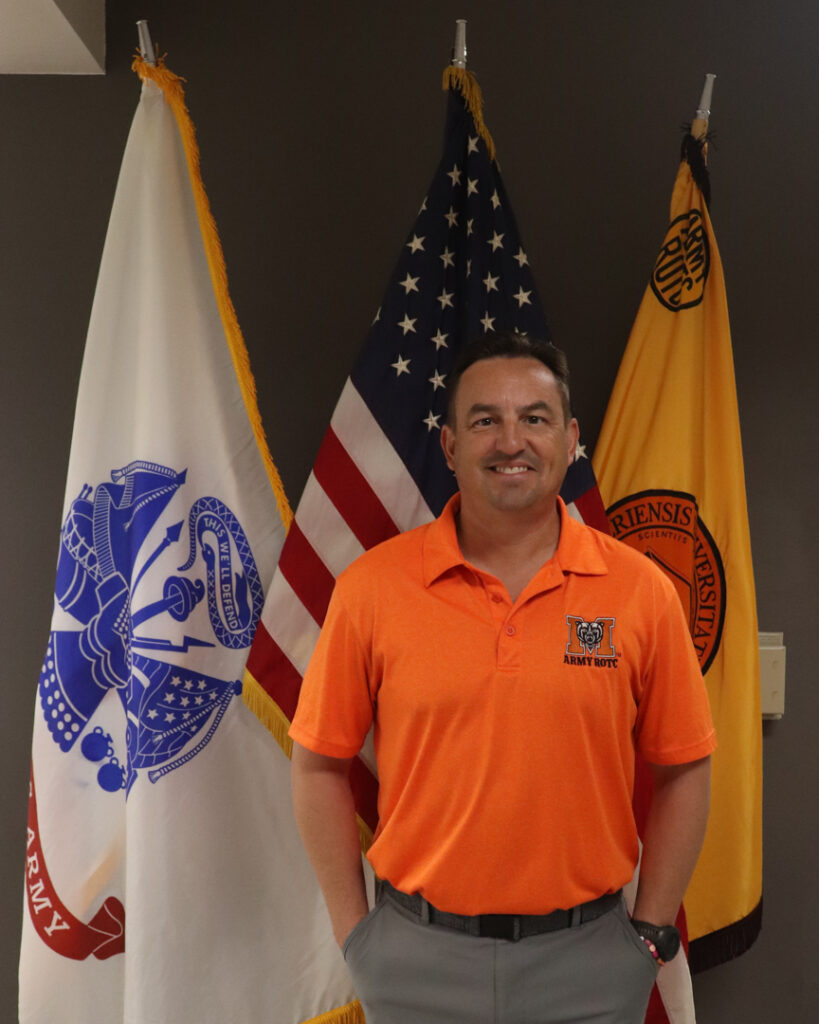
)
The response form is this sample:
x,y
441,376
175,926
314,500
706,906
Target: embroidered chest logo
x,y
590,642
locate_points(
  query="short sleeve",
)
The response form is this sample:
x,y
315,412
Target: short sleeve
x,y
674,723
335,708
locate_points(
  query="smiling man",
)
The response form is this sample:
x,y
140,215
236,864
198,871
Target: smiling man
x,y
512,663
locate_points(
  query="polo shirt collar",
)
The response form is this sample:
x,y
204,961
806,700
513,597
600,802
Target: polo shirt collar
x,y
441,551
577,550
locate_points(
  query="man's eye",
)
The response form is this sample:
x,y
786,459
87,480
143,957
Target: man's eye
x,y
484,421
534,418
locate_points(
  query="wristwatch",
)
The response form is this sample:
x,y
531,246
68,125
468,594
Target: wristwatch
x,y
663,941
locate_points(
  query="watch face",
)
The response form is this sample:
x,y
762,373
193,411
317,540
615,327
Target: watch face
x,y
668,943
666,938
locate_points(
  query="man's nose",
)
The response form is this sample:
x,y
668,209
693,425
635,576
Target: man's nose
x,y
510,437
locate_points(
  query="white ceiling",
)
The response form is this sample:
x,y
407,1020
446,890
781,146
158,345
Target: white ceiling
x,y
52,37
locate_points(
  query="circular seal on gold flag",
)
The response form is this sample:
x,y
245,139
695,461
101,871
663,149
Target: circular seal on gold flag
x,y
682,267
666,526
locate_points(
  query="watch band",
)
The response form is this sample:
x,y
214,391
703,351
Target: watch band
x,y
663,941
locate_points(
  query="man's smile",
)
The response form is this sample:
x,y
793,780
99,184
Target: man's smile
x,y
510,469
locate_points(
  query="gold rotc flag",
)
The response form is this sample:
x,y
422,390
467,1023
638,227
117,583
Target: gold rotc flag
x,y
669,467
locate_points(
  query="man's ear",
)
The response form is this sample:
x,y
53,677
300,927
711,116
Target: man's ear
x,y
573,432
448,445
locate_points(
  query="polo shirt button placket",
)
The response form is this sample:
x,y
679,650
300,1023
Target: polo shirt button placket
x,y
499,608
509,649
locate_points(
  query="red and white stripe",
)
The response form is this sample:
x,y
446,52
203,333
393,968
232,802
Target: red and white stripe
x,y
358,494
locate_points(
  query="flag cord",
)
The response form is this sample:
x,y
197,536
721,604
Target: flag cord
x,y
171,86
467,85
694,151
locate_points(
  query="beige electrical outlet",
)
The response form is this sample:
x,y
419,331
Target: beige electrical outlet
x,y
772,674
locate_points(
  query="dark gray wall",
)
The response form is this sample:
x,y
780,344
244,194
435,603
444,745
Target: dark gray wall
x,y
320,126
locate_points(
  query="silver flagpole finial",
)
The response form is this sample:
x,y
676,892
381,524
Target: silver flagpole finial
x,y
146,47
704,109
459,49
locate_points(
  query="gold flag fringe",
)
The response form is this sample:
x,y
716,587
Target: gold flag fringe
x,y
467,85
365,834
267,711
349,1014
171,86
254,695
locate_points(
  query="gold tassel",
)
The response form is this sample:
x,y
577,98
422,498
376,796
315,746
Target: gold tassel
x,y
349,1014
466,83
171,86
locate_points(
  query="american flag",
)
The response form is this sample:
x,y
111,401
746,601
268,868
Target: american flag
x,y
462,272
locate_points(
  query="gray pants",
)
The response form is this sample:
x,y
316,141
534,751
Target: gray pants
x,y
407,972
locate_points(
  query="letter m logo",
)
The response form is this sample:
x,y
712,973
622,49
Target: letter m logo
x,y
590,637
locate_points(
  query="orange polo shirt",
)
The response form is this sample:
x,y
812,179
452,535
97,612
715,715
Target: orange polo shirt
x,y
505,731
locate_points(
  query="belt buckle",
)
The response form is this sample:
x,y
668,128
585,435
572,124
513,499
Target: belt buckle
x,y
499,926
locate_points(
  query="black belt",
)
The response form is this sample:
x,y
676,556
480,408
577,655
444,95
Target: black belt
x,y
502,926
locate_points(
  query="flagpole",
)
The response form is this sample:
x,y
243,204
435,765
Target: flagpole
x,y
459,49
699,126
146,47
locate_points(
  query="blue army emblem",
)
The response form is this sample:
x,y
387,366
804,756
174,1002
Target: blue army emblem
x,y
171,709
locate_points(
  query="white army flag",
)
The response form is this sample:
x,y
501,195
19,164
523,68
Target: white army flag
x,y
165,880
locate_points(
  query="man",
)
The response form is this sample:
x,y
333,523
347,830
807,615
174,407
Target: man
x,y
511,661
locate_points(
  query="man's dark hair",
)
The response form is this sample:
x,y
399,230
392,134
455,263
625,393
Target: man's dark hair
x,y
509,345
